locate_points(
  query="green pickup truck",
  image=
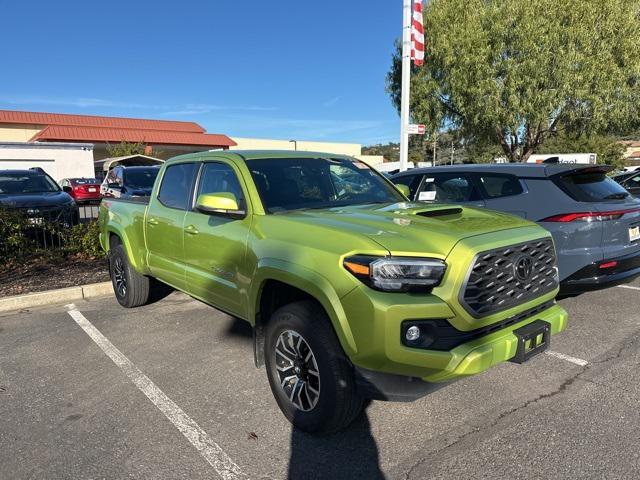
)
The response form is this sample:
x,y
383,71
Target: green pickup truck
x,y
353,292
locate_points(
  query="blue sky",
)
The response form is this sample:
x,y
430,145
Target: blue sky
x,y
271,69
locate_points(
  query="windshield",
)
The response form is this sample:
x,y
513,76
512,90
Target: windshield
x,y
24,183
140,178
591,187
297,183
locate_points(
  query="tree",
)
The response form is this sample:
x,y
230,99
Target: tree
x,y
610,151
513,72
124,149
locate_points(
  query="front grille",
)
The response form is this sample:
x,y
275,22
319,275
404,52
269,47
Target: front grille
x,y
505,277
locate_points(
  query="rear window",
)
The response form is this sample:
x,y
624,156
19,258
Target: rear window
x,y
177,184
496,186
590,187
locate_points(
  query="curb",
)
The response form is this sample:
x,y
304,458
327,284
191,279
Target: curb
x,y
60,295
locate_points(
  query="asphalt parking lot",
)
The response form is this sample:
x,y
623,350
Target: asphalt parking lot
x,y
170,391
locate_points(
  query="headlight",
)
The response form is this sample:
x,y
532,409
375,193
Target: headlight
x,y
397,274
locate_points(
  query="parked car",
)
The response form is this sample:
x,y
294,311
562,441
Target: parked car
x,y
630,181
595,223
128,182
36,195
82,189
352,291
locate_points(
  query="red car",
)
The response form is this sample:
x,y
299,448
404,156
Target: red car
x,y
82,189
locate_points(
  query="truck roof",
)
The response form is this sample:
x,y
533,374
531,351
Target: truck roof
x,y
257,154
519,169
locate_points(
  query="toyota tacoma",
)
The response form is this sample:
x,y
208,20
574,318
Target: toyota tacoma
x,y
353,292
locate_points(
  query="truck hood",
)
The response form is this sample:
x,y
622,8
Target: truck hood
x,y
409,228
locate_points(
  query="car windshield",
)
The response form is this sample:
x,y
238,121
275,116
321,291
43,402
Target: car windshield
x,y
299,183
140,178
591,187
25,183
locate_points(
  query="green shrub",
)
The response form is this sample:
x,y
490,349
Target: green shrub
x,y
20,238
84,239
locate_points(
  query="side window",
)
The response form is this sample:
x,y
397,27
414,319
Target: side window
x,y
177,185
496,186
220,178
119,177
448,188
411,181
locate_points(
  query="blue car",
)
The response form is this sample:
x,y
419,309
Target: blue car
x,y
594,221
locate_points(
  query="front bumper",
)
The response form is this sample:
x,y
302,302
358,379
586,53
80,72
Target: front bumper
x,y
592,277
380,349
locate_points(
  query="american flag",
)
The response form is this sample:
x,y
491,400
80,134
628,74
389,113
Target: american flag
x,y
417,34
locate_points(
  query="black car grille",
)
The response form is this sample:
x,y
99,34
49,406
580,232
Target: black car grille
x,y
63,215
505,277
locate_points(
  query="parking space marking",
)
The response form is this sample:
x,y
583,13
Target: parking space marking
x,y
209,449
568,358
629,287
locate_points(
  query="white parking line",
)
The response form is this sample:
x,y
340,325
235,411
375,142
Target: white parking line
x,y
568,358
209,449
629,287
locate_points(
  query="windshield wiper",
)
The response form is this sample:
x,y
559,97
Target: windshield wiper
x,y
617,196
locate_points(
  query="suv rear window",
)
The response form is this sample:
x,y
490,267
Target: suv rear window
x,y
590,187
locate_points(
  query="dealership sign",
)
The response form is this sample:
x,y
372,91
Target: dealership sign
x,y
417,129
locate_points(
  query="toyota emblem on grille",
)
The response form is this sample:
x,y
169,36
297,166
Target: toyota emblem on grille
x,y
523,268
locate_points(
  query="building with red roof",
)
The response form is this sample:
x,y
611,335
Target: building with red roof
x,y
162,138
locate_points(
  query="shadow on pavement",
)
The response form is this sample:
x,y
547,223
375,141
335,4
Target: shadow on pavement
x,y
350,454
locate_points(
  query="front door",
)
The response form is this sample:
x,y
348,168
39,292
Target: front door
x,y
165,221
215,245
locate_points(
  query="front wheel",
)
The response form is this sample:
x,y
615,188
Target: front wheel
x,y
310,377
130,288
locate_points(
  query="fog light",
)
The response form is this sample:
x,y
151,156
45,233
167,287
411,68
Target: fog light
x,y
413,333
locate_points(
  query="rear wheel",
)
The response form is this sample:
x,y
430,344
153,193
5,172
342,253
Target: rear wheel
x,y
309,374
131,288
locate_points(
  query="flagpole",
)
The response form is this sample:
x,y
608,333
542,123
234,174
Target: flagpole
x,y
406,83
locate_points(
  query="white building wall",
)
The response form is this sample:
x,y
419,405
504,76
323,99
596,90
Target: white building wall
x,y
60,160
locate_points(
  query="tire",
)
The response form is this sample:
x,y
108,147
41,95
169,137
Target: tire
x,y
130,288
295,330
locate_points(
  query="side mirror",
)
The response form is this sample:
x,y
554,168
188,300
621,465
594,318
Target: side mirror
x,y
220,203
67,189
403,189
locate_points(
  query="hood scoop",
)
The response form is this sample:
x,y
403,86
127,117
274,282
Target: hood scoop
x,y
442,212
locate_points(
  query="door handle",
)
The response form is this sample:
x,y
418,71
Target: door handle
x,y
191,230
152,221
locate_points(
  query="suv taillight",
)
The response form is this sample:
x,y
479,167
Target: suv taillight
x,y
589,216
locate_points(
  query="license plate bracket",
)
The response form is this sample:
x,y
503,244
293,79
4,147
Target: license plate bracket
x,y
533,338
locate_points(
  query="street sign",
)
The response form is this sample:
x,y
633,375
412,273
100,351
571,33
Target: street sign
x,y
416,129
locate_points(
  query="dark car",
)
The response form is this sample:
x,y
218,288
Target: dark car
x,y
82,189
128,182
595,222
36,195
630,181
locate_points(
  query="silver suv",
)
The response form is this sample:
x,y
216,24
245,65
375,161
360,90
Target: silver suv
x,y
595,222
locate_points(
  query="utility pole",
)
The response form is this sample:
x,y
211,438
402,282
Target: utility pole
x,y
406,83
435,147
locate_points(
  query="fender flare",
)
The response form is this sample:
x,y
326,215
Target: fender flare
x,y
311,283
134,251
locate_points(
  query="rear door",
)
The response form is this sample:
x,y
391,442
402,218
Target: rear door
x,y
164,223
617,210
502,192
457,188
